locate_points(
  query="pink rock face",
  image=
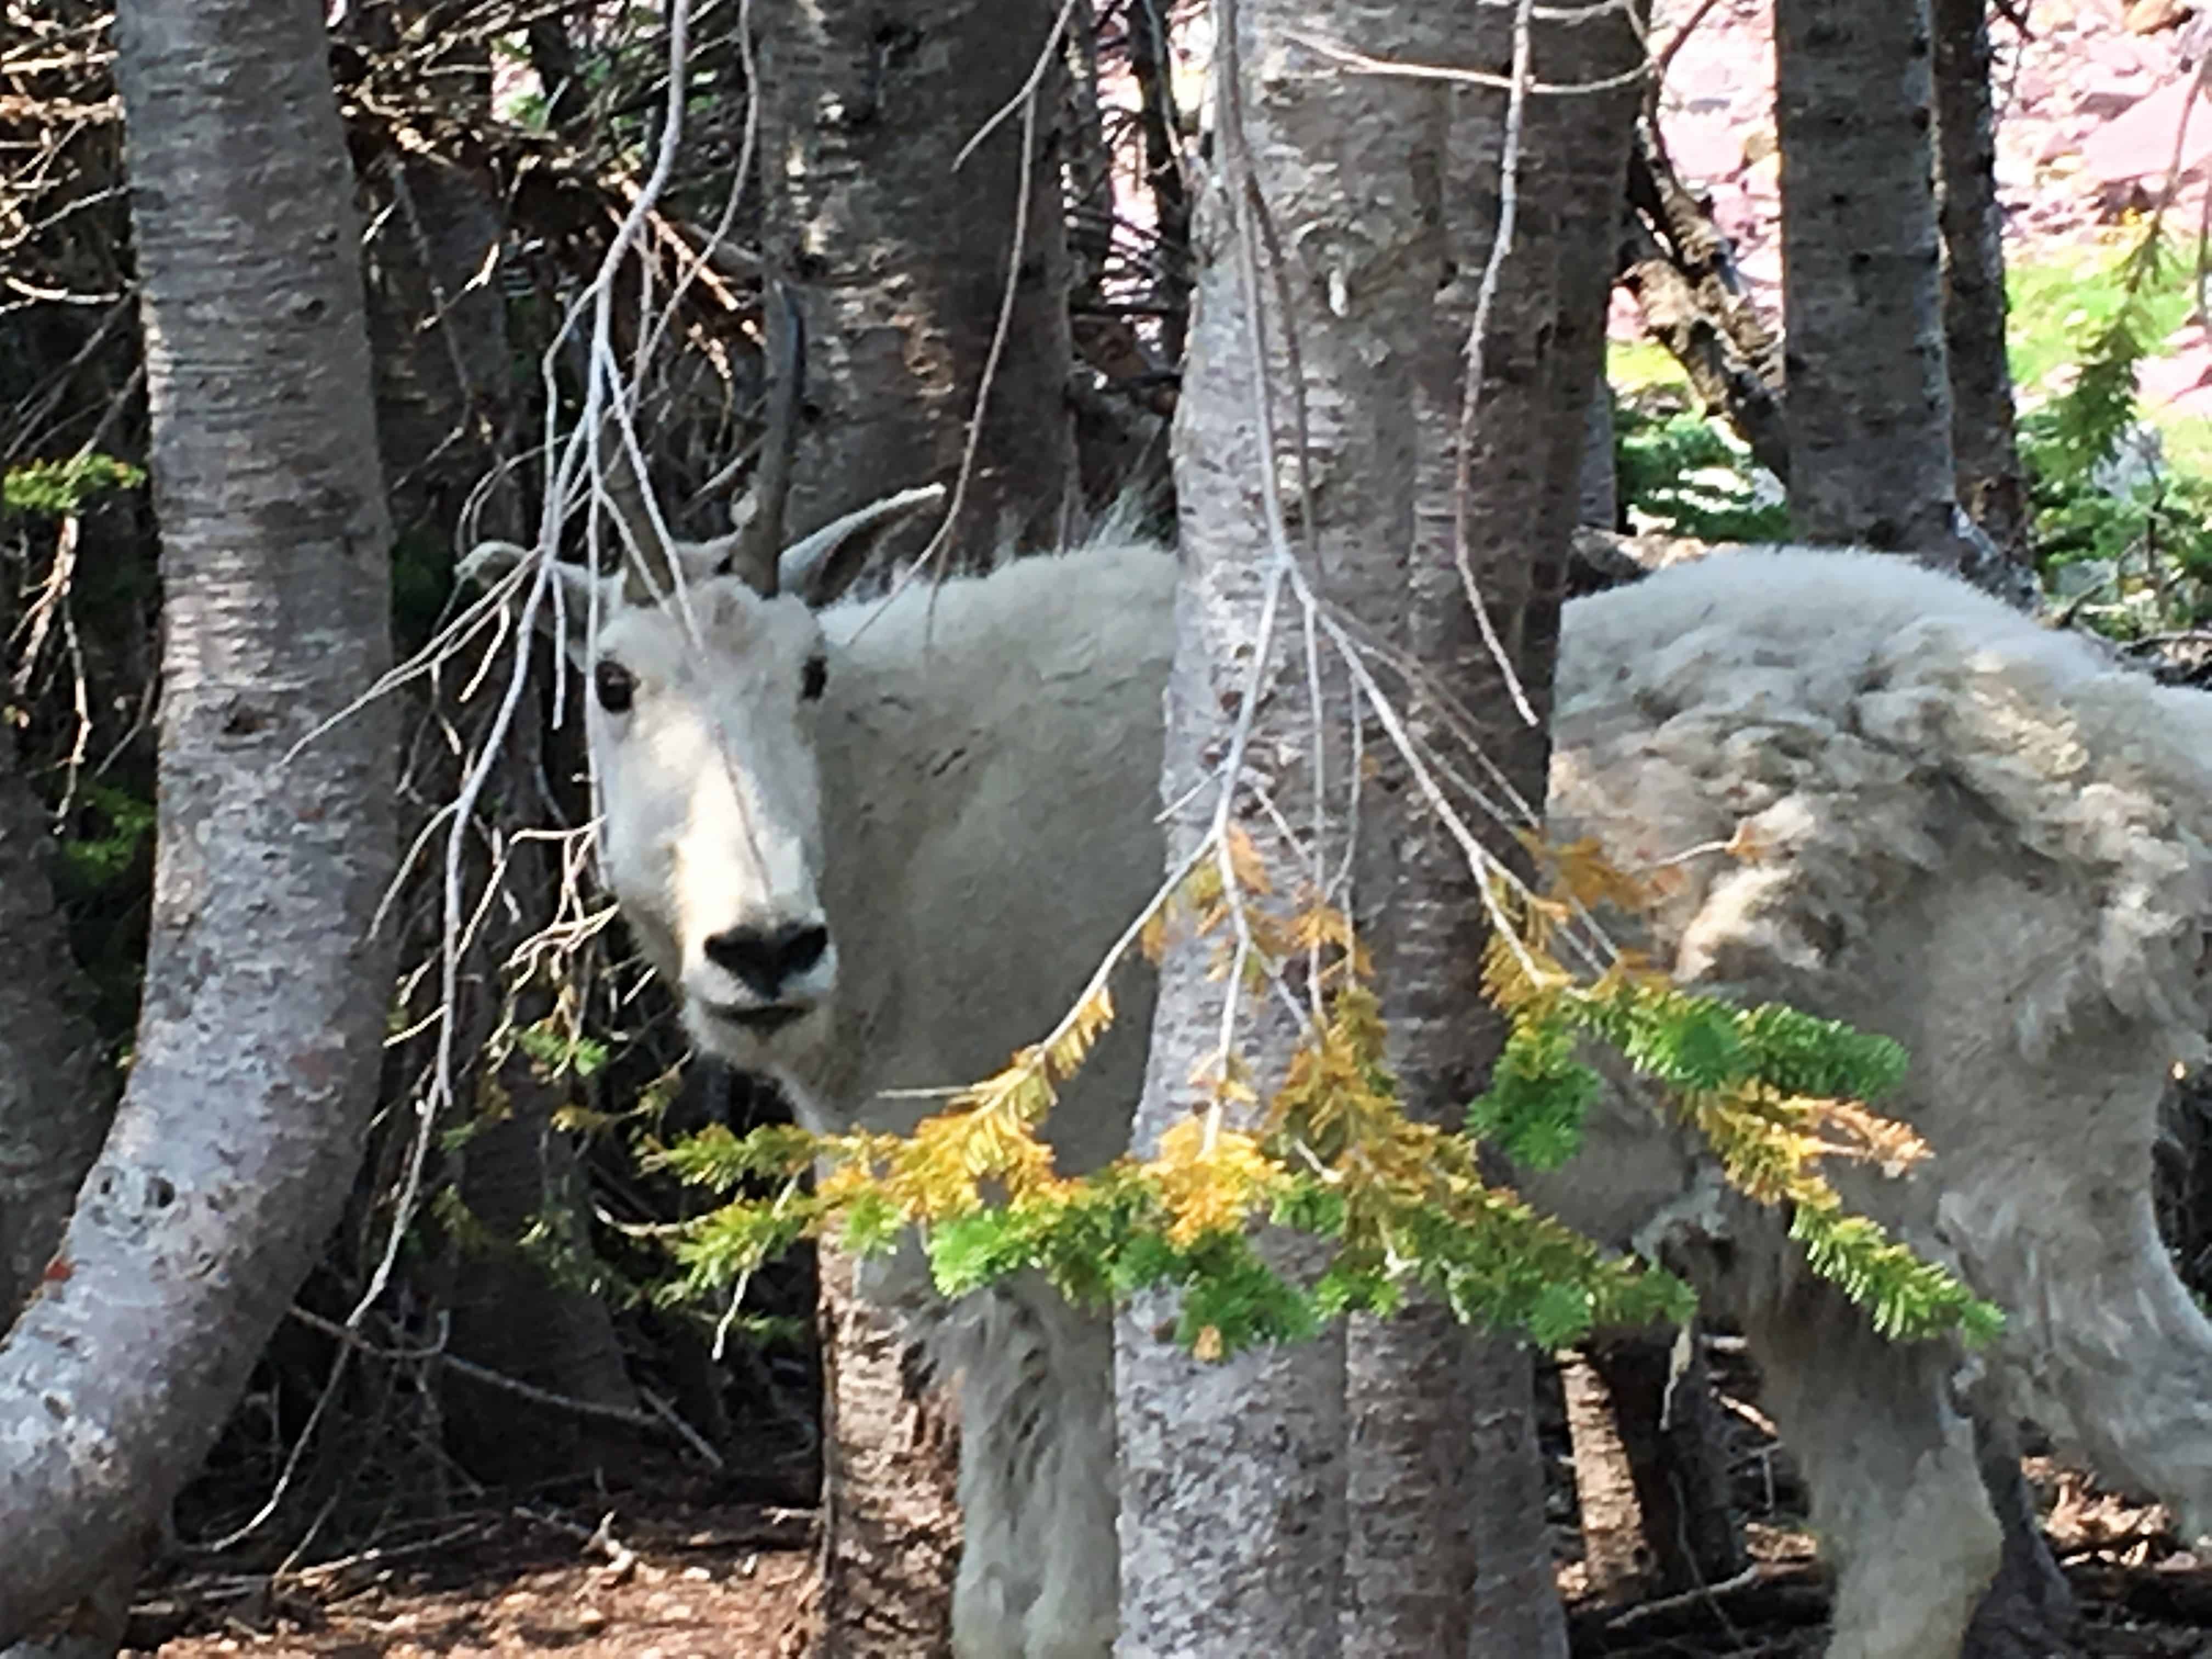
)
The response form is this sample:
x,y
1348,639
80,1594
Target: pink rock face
x,y
1705,146
2088,116
2140,141
2181,381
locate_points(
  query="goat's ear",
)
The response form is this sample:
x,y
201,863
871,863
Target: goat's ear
x,y
493,564
822,565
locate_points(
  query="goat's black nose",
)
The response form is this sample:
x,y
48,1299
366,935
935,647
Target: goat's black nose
x,y
763,958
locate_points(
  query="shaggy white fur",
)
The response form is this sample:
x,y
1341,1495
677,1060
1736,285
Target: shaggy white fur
x,y
1970,834
1988,841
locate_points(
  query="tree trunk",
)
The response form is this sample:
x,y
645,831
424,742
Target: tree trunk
x,y
1151,65
1682,269
1394,187
1991,484
1870,402
1426,1492
1605,1487
890,1537
1670,1428
439,340
511,1316
901,262
54,1100
1597,484
264,1014
1233,1506
1516,1591
443,409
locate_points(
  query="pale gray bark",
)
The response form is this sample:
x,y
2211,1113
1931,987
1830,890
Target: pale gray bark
x,y
1991,483
1869,399
1514,1587
1231,1524
264,1018
899,262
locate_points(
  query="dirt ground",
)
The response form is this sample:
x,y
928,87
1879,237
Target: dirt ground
x,y
645,1578
661,1571
636,1576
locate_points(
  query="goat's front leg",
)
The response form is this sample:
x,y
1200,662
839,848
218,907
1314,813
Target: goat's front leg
x,y
1040,1566
1898,1499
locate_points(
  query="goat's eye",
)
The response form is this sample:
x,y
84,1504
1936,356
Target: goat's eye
x,y
614,685
814,676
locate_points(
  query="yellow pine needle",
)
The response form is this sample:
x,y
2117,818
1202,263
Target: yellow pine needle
x,y
1206,1189
1519,981
1087,1023
1244,861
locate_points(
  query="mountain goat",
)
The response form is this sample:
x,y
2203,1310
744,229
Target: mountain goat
x,y
876,847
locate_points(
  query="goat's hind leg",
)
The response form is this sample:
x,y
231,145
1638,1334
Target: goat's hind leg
x,y
1898,1499
2113,1355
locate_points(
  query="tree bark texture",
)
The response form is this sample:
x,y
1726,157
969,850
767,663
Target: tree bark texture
x,y
1151,64
258,1044
55,1102
1393,188
901,261
1598,483
513,1317
1515,1588
1670,1428
1232,1525
438,337
1682,269
1991,484
54,1099
1421,1494
1868,400
1605,1490
890,1537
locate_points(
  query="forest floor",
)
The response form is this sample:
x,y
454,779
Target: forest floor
x,y
657,1568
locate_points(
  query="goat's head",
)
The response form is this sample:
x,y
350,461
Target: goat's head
x,y
701,710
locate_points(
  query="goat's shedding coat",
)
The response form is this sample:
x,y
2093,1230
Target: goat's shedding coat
x,y
1967,832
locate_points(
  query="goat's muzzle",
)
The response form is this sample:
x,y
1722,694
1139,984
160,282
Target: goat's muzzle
x,y
765,959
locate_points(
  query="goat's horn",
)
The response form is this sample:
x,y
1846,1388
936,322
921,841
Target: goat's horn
x,y
798,564
754,557
650,568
